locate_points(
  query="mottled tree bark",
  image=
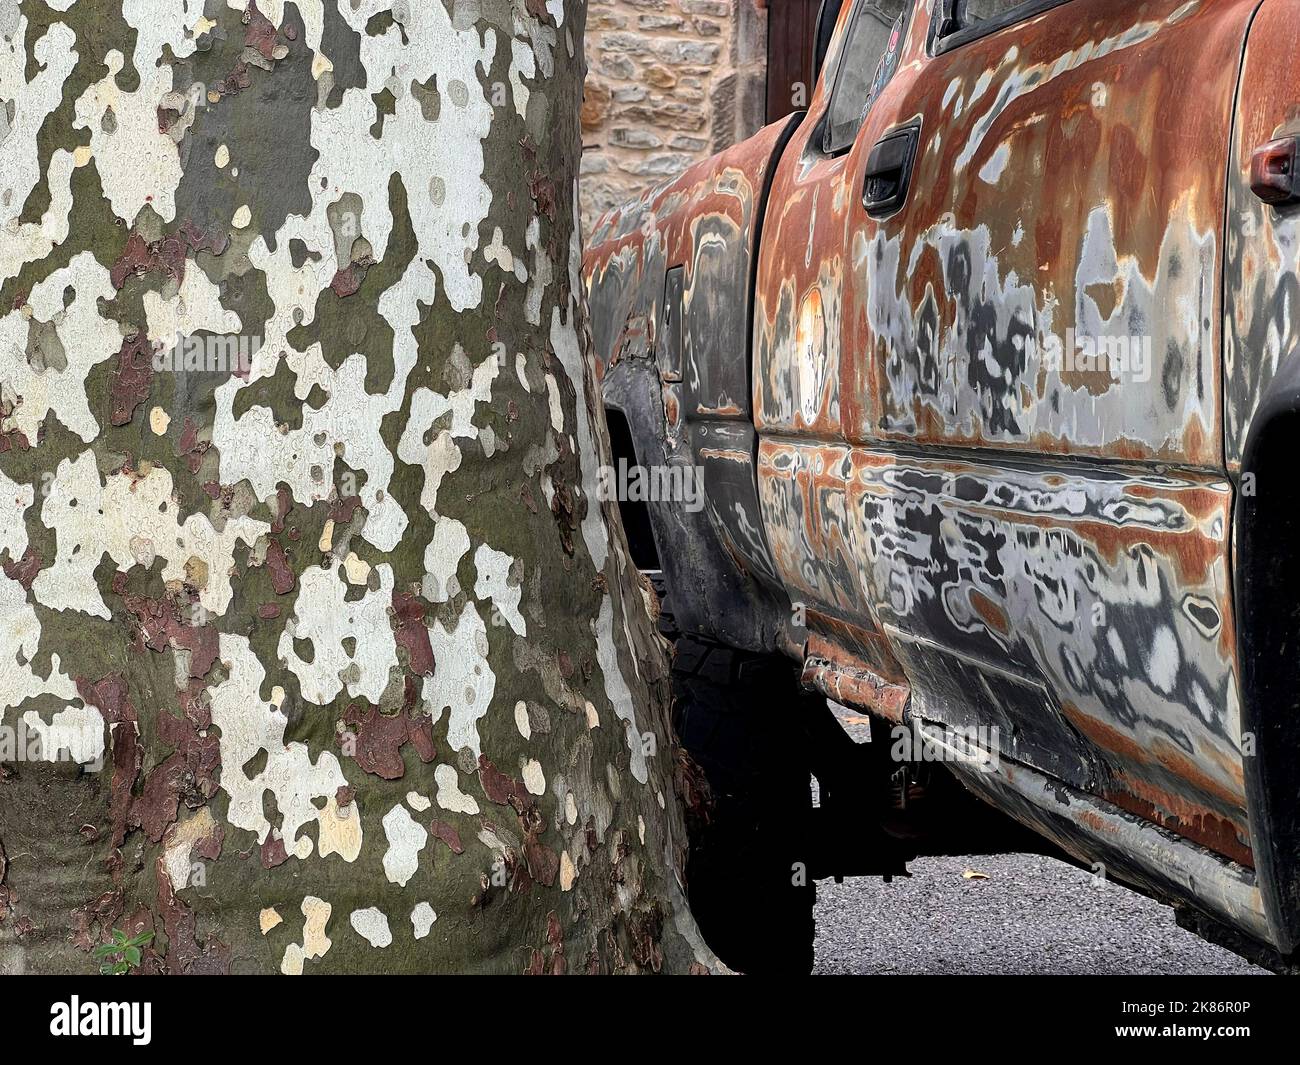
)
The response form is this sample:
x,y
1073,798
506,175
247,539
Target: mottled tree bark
x,y
317,650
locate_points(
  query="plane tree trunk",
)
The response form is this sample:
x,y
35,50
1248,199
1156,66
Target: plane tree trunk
x,y
318,651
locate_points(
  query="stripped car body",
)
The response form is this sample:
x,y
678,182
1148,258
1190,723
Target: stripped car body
x,y
993,464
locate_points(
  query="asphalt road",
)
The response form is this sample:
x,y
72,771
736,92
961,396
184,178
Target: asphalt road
x,y
1033,915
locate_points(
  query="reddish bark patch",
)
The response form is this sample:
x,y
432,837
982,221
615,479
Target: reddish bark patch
x,y
13,440
25,569
498,787
110,695
348,280
132,378
190,447
190,774
159,625
380,738
273,852
542,191
93,922
215,240
445,832
277,563
543,863
341,510
526,497
166,255
185,954
283,504
260,34
412,633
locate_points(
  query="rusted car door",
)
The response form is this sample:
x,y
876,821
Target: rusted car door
x,y
988,389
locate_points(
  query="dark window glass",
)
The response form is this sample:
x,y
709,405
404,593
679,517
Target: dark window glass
x,y
985,10
871,51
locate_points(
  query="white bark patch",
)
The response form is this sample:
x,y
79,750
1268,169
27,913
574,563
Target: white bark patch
x,y
137,163
340,831
620,697
269,918
86,339
450,797
557,407
315,943
494,583
405,841
422,918
543,273
442,455
322,616
20,170
463,681
195,307
254,448
534,778
447,195
522,723
371,924
249,726
564,341
522,65
91,520
15,498
417,802
20,636
441,559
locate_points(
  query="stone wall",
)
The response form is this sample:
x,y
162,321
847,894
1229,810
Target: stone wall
x,y
669,82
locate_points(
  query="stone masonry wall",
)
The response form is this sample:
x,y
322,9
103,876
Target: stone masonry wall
x,y
669,82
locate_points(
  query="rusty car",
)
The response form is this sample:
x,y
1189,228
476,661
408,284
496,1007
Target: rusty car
x,y
988,360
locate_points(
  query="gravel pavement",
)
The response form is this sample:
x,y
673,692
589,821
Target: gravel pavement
x,y
1033,915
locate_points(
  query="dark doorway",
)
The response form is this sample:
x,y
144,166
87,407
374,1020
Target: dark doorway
x,y
790,28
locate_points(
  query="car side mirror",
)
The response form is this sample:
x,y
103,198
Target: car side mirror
x,y
949,18
827,15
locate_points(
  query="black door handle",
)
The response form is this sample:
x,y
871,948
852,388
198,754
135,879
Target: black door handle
x,y
889,171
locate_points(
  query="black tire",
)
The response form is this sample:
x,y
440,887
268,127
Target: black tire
x,y
736,715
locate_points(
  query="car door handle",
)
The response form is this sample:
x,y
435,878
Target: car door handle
x,y
889,171
1275,172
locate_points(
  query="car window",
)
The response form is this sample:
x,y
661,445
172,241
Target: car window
x,y
959,21
985,10
871,53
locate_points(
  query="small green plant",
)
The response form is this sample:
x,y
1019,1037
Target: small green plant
x,y
121,955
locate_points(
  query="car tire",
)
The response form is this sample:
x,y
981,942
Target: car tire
x,y
748,882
